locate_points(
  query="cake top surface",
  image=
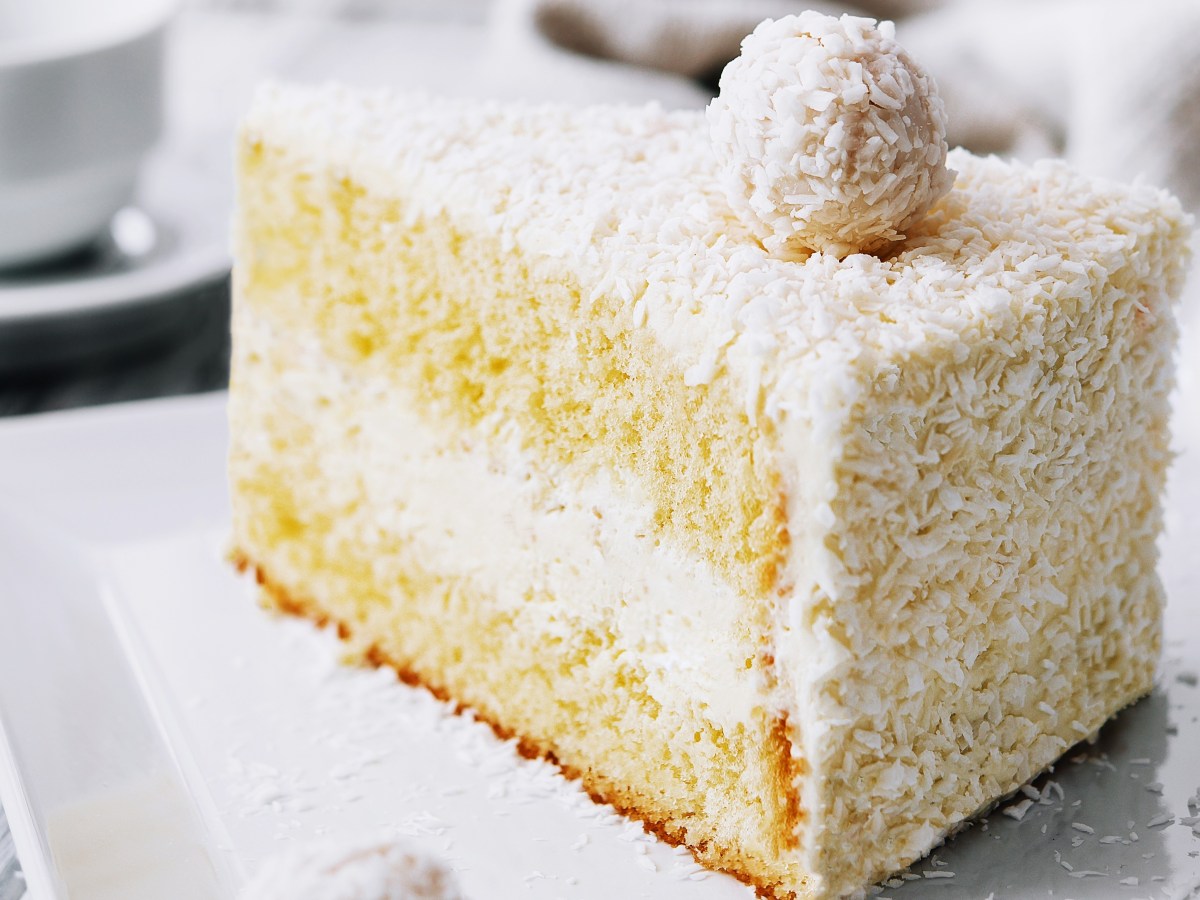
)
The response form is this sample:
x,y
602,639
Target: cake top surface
x,y
628,200
829,135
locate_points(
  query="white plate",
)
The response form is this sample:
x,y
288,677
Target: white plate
x,y
270,743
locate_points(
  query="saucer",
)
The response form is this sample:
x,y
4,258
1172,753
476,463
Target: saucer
x,y
128,284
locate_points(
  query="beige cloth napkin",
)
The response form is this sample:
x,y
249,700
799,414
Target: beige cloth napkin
x,y
1112,86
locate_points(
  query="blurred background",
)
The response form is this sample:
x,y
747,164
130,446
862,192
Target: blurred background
x,y
139,306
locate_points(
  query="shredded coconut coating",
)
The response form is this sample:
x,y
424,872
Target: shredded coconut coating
x,y
831,138
354,870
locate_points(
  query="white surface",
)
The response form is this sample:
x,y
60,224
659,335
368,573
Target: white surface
x,y
287,746
101,809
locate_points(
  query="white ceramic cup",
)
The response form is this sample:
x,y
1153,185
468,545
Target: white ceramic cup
x,y
81,103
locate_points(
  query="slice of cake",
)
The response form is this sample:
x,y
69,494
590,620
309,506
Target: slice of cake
x,y
800,557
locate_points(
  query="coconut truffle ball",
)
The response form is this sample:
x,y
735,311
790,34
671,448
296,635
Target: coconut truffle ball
x,y
354,870
830,137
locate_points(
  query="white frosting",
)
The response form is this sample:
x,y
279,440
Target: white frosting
x,y
830,136
352,870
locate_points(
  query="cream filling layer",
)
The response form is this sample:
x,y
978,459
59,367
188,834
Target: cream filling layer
x,y
514,529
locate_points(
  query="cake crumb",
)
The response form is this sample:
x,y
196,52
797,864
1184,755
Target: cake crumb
x,y
1017,810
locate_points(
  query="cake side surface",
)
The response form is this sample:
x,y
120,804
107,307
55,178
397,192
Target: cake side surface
x,y
349,429
991,597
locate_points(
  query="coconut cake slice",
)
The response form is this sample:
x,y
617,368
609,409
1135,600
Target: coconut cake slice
x,y
801,559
